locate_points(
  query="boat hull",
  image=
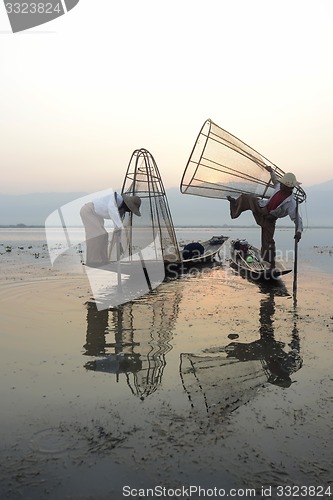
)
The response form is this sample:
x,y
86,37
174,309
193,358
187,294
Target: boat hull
x,y
249,262
210,249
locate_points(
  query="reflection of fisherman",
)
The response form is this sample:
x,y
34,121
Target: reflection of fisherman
x,y
277,363
97,325
142,331
112,206
96,345
266,212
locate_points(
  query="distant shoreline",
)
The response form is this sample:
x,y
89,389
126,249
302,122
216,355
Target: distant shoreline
x,y
20,226
176,226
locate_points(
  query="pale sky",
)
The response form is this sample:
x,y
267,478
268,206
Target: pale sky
x,y
81,93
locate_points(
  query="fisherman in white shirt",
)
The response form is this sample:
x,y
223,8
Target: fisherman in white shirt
x,y
113,207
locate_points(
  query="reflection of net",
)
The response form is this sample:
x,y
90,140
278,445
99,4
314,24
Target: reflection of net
x,y
142,332
143,179
221,165
149,324
217,385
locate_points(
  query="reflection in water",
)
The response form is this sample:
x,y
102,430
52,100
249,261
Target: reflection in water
x,y
142,332
230,376
277,362
219,385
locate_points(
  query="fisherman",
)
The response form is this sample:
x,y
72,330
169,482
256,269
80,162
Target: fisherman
x,y
266,212
111,206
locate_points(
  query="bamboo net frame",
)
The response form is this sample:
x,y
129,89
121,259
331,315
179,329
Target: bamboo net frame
x,y
222,165
143,179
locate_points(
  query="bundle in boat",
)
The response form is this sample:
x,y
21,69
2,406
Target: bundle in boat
x,y
222,165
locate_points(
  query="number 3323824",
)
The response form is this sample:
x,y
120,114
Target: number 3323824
x,y
33,8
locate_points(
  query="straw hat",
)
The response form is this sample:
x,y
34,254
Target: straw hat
x,y
289,180
133,203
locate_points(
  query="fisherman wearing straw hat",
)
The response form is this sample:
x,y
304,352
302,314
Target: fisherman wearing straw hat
x,y
266,212
112,206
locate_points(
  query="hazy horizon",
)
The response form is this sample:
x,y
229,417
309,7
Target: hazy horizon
x,y
99,83
186,210
304,186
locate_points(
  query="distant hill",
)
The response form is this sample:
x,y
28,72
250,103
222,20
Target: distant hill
x,y
317,210
320,188
187,210
33,208
205,211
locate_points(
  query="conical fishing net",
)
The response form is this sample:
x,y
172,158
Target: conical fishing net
x,y
155,227
221,165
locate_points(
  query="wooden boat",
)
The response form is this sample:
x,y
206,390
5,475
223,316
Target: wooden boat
x,y
246,258
210,250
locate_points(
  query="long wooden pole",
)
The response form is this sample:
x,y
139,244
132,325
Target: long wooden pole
x,y
118,240
295,257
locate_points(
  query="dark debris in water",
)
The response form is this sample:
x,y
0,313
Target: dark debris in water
x,y
97,437
324,250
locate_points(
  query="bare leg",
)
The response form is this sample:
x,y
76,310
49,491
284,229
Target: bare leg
x,y
268,249
248,202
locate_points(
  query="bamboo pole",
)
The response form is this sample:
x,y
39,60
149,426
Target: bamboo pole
x,y
295,257
118,243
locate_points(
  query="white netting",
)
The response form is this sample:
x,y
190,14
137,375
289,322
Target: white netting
x,y
221,165
143,179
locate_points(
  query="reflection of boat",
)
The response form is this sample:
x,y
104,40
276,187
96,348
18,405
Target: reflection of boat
x,y
143,179
246,258
226,378
142,331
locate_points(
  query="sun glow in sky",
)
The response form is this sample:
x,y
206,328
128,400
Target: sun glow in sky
x,y
81,93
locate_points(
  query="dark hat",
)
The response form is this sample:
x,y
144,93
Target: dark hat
x,y
133,203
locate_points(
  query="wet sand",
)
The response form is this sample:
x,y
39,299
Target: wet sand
x,y
210,380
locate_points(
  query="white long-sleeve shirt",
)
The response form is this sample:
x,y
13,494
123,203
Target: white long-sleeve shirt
x,y
287,207
108,208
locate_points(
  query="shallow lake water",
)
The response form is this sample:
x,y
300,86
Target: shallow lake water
x,y
211,379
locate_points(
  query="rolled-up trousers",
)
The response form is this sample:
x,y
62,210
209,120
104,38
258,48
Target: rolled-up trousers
x,y
97,238
265,221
